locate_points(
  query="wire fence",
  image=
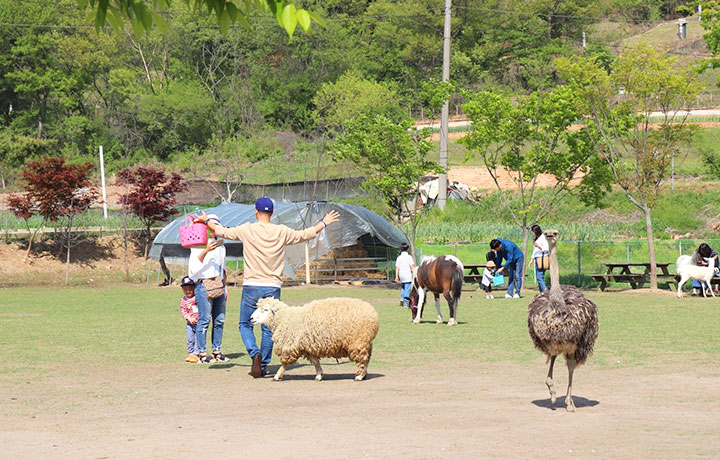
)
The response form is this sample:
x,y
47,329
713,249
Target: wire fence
x,y
578,260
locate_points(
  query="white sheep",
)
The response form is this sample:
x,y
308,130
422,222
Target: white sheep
x,y
326,328
688,271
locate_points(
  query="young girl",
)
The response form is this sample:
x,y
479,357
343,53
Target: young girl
x,y
487,278
189,311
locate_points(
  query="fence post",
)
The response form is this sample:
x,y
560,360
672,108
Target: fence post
x,y
680,247
627,252
579,265
147,279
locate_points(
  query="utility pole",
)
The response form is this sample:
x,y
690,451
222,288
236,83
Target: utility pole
x,y
102,179
442,186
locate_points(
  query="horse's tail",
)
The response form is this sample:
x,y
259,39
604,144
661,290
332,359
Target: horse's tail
x,y
457,281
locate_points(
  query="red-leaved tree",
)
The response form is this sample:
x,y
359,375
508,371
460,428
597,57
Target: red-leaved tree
x,y
151,197
57,191
22,207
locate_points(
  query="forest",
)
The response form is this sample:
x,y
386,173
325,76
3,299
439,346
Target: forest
x,y
209,104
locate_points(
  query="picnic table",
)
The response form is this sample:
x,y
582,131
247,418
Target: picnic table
x,y
475,273
635,273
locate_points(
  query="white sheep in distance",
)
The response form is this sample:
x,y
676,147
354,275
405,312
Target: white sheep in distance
x,y
327,328
687,271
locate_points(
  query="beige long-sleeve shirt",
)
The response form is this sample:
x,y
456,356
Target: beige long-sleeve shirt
x,y
264,249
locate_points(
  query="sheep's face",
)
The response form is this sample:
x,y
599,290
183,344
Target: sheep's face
x,y
262,315
265,311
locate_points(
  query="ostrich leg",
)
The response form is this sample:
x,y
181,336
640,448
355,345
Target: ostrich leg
x,y
569,404
549,380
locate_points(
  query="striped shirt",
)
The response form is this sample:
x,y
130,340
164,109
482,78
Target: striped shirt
x,y
188,308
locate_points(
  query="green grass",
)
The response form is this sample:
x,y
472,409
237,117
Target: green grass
x,y
136,326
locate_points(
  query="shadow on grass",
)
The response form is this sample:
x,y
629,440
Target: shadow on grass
x,y
432,321
560,403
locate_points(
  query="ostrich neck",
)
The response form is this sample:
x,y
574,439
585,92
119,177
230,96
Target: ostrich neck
x,y
555,290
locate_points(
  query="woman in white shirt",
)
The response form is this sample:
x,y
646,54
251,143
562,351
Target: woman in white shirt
x,y
206,263
539,256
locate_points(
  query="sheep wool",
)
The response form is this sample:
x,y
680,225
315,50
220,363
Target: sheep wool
x,y
326,328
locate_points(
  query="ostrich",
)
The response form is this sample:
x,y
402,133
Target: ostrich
x,y
562,320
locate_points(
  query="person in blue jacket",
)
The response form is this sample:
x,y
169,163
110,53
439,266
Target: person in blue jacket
x,y
514,260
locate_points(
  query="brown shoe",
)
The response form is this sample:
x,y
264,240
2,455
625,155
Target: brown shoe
x,y
256,371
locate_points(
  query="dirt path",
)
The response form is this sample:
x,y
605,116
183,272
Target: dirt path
x,y
434,411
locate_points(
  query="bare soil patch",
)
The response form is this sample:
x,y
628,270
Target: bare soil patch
x,y
458,410
95,260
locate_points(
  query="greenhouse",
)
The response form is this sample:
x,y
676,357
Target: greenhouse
x,y
357,225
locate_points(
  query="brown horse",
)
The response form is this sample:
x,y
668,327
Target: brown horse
x,y
437,275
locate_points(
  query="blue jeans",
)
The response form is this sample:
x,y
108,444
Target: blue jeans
x,y
248,305
540,276
206,308
405,293
190,329
513,271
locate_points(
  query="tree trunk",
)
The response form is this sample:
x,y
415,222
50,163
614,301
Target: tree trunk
x,y
148,240
127,263
651,247
30,242
67,265
526,238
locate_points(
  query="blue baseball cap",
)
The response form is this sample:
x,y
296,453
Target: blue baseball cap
x,y
264,204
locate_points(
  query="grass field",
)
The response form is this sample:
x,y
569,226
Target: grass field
x,y
99,373
137,326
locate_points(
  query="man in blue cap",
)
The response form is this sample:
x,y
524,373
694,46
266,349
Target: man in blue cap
x,y
264,255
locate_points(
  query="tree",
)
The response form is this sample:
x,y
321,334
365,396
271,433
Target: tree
x,y
57,191
352,95
16,149
393,159
618,110
142,14
710,20
22,207
529,138
152,196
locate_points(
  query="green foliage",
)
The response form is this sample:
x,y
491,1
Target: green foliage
x,y
529,137
143,14
350,96
392,158
710,20
640,157
175,120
